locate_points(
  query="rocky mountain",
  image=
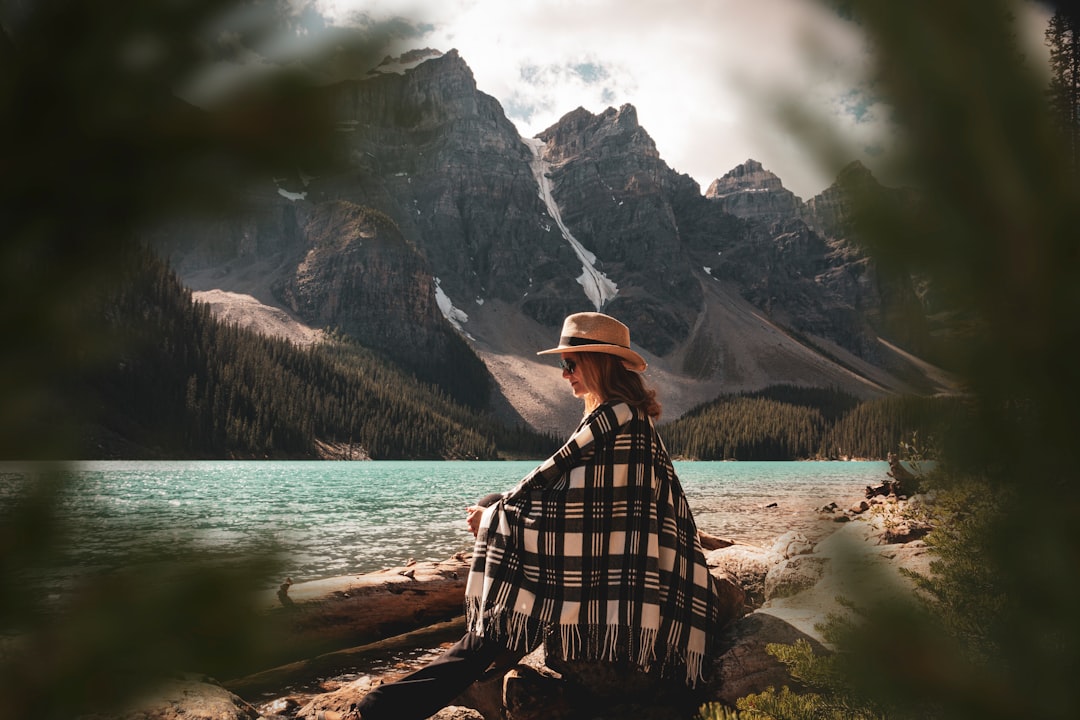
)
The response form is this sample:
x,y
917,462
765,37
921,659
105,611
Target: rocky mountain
x,y
751,191
445,228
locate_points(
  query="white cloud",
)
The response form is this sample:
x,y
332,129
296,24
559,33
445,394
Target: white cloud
x,y
703,74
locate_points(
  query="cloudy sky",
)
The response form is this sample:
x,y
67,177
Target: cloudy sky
x,y
701,73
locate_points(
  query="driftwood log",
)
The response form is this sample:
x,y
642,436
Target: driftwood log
x,y
322,616
305,671
327,615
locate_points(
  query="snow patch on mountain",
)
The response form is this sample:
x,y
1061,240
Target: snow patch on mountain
x,y
454,315
598,287
294,196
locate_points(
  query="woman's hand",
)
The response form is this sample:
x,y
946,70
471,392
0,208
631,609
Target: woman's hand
x,y
472,517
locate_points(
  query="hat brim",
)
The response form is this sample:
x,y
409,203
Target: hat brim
x,y
631,360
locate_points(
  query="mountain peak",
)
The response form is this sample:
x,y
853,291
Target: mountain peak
x,y
625,117
751,175
407,61
749,190
617,129
750,167
855,173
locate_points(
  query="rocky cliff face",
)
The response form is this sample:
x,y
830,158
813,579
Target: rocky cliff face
x,y
444,216
808,270
359,275
616,195
829,212
751,191
441,159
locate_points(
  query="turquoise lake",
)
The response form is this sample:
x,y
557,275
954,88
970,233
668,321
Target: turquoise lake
x,y
341,518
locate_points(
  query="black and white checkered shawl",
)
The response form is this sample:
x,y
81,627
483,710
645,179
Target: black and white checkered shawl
x,y
599,545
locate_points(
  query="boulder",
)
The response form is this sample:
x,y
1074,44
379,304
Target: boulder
x,y
340,700
794,575
730,593
609,690
530,692
712,542
743,666
747,566
455,712
790,544
189,697
547,687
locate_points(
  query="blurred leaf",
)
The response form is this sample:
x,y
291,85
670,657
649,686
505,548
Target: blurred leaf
x,y
97,148
995,229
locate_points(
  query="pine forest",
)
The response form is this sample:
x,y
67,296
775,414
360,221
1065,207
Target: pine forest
x,y
188,386
794,423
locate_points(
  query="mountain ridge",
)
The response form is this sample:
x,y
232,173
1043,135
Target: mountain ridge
x,y
734,289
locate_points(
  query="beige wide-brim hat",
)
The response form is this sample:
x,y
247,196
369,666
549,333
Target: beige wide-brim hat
x,y
596,332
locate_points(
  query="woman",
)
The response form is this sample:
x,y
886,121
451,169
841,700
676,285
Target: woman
x,y
594,552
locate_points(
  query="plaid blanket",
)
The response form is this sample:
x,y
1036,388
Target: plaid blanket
x,y
598,545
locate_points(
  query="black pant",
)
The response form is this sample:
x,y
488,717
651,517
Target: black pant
x,y
424,692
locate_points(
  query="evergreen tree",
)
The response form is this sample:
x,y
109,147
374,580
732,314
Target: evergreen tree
x,y
1064,92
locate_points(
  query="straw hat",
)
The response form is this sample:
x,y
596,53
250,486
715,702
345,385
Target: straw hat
x,y
596,332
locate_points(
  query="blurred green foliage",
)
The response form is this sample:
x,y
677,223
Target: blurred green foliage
x,y
98,642
98,148
997,232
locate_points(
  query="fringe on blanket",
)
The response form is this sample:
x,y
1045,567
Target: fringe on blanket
x,y
517,631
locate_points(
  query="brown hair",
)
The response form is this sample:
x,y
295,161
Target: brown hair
x,y
610,380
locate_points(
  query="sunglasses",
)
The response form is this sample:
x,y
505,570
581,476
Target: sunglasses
x,y
568,365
